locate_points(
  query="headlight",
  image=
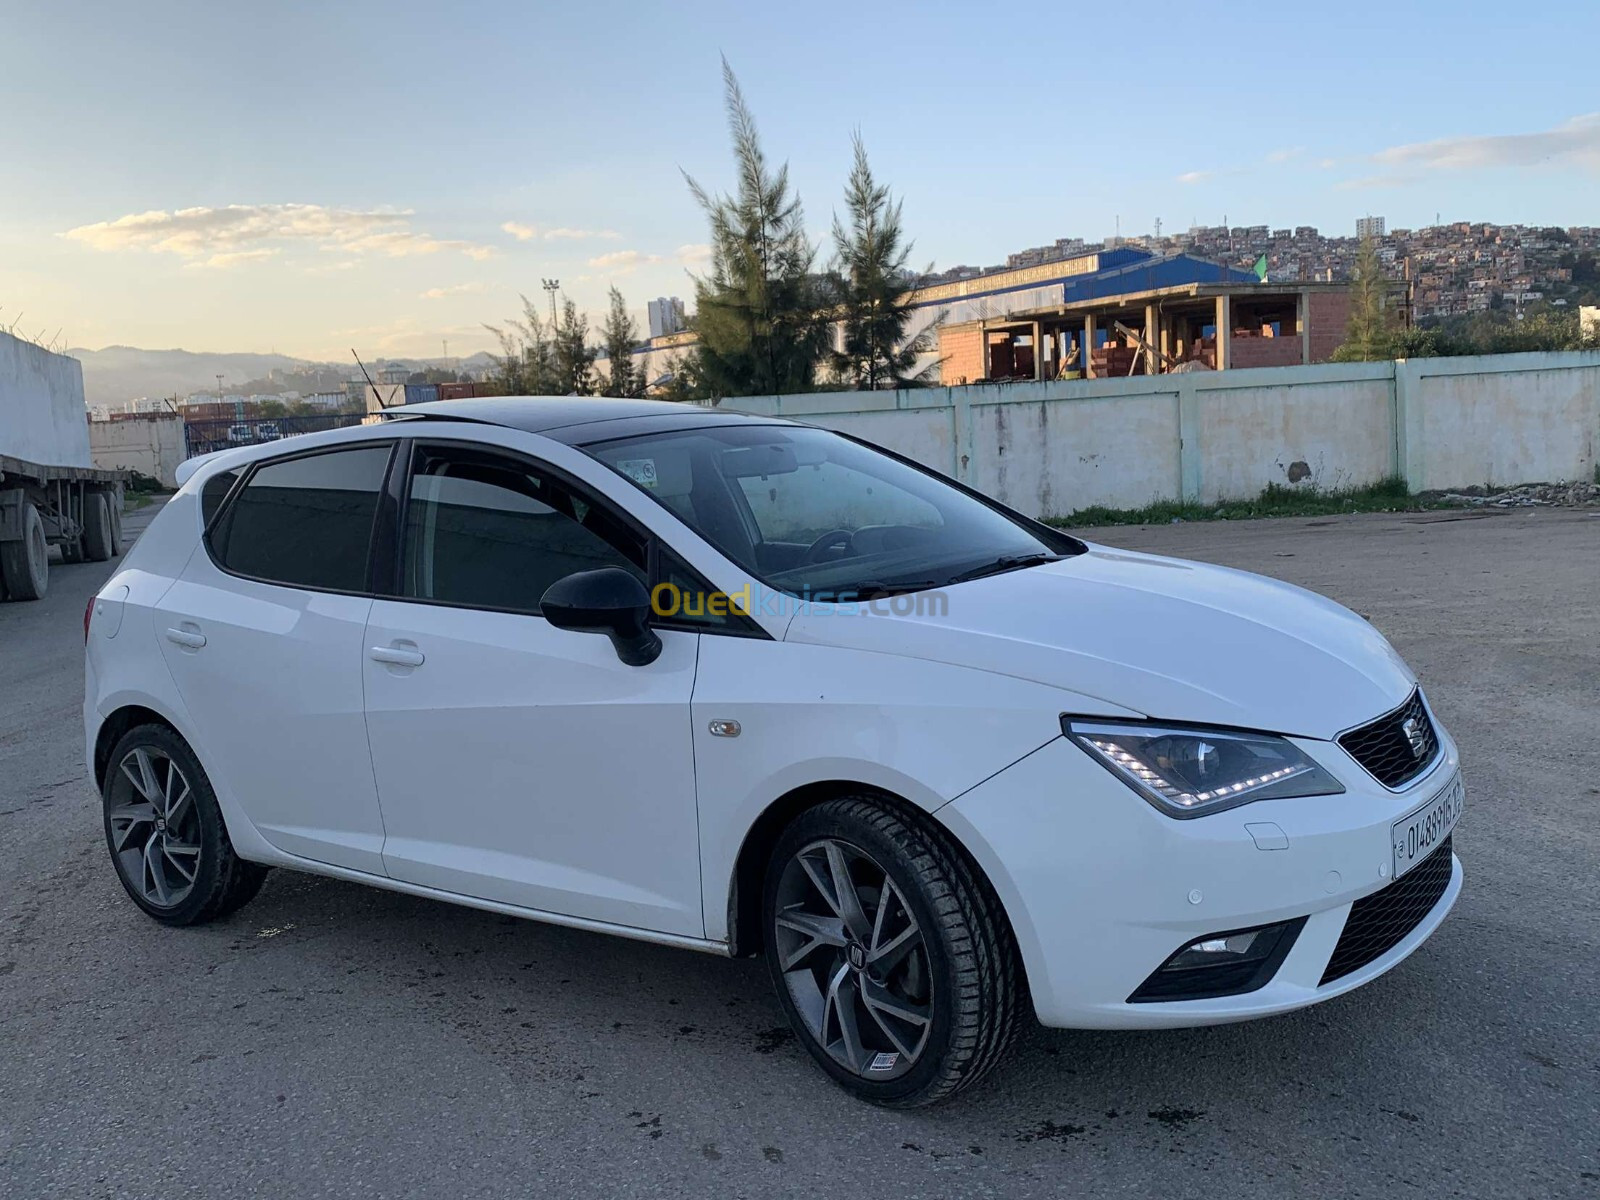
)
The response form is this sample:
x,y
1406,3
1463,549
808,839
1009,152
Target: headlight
x,y
1189,772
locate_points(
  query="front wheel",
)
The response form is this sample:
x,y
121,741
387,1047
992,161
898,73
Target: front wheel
x,y
889,952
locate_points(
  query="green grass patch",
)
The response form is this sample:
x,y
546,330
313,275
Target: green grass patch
x,y
1276,500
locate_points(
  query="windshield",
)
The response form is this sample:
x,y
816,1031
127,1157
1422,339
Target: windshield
x,y
814,514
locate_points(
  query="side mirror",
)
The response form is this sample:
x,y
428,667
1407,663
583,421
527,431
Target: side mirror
x,y
608,601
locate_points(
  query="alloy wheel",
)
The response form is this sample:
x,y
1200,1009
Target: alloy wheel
x,y
854,959
155,827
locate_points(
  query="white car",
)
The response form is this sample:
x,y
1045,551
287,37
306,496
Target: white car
x,y
747,686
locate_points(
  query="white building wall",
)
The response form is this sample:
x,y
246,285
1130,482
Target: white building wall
x,y
151,445
1050,449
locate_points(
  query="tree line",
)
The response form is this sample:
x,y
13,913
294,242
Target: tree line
x,y
768,320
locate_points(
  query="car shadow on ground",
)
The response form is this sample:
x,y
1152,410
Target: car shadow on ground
x,y
497,980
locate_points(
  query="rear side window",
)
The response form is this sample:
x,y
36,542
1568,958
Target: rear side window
x,y
488,532
214,492
305,522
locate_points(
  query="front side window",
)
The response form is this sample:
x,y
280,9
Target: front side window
x,y
305,522
814,514
488,532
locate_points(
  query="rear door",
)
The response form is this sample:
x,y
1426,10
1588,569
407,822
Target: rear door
x,y
263,634
518,762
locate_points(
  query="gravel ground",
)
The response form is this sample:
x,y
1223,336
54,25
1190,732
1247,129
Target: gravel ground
x,y
338,1040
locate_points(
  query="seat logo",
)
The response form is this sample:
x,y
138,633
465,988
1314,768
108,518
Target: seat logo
x,y
1416,735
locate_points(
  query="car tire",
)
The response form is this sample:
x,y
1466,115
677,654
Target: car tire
x,y
25,564
96,527
918,976
166,835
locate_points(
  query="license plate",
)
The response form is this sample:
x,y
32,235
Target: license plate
x,y
1416,836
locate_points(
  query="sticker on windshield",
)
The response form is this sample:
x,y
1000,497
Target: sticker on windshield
x,y
641,470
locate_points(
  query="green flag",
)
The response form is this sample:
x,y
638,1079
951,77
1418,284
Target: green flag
x,y
1261,269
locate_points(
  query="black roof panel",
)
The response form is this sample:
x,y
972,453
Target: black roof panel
x,y
545,414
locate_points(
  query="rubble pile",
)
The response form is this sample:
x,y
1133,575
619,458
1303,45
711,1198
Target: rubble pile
x,y
1528,495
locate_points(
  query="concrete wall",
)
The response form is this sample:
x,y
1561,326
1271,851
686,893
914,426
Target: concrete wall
x,y
152,445
42,416
1052,448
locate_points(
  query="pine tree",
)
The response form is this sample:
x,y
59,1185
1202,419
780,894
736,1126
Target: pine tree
x,y
574,357
526,364
1369,336
620,335
761,319
874,287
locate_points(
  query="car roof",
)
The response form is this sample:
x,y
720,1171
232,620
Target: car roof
x,y
578,420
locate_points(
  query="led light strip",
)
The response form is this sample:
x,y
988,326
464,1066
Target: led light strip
x,y
1157,783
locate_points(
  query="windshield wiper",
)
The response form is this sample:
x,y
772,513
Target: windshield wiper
x,y
874,588
1006,562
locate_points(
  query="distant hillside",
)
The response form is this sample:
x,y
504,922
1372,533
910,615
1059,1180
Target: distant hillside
x,y
119,373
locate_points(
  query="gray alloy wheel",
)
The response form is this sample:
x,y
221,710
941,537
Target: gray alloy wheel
x,y
154,827
166,834
890,953
854,960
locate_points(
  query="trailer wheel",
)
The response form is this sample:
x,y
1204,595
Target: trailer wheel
x,y
114,503
26,563
96,527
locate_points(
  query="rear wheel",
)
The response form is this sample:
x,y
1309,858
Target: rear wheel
x,y
889,953
166,834
26,563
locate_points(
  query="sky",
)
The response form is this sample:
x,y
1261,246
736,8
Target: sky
x,y
309,178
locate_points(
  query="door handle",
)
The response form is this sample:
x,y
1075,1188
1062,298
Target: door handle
x,y
193,639
397,656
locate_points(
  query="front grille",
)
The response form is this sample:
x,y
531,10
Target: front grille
x,y
1380,922
1398,746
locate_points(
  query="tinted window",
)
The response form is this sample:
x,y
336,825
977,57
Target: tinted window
x,y
488,532
306,522
811,513
213,492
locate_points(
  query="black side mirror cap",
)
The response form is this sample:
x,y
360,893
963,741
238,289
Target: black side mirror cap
x,y
608,600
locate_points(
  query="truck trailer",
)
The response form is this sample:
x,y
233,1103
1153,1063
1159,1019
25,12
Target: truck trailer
x,y
51,494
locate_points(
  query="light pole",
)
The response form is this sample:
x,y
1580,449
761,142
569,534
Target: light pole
x,y
552,286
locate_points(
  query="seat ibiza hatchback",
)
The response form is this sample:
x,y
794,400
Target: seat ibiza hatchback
x,y
747,686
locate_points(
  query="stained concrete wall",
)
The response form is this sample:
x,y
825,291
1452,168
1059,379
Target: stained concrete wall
x,y
1052,448
42,417
152,445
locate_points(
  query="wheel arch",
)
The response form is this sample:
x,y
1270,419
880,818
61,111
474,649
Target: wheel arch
x,y
115,725
745,936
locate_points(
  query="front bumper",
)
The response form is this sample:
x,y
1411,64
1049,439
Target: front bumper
x,y
1101,888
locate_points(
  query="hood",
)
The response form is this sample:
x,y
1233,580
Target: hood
x,y
1174,640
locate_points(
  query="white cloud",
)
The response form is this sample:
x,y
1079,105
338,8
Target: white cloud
x,y
526,233
233,258
578,235
1283,156
234,228
458,289
405,243
622,262
1195,176
1576,142
697,252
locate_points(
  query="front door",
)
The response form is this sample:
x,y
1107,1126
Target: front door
x,y
517,762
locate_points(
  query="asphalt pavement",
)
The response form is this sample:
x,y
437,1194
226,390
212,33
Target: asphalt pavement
x,y
336,1040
